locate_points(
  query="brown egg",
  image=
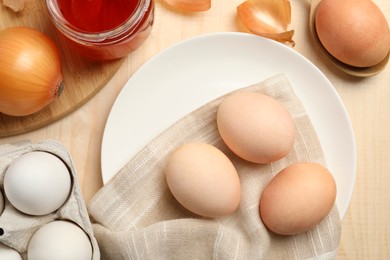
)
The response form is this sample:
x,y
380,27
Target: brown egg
x,y
256,127
203,180
297,198
353,31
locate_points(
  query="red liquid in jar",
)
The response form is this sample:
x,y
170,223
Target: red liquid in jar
x,y
94,32
97,15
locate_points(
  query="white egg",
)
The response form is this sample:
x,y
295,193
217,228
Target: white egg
x,y
1,202
37,183
9,253
60,240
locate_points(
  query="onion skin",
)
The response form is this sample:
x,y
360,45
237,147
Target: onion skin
x,y
268,18
15,5
30,71
190,5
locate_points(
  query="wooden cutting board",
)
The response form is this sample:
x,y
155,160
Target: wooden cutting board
x,y
83,78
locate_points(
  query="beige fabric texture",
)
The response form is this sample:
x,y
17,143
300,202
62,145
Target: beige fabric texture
x,y
19,227
136,216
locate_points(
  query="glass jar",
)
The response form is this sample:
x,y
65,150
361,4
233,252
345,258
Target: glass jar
x,y
110,43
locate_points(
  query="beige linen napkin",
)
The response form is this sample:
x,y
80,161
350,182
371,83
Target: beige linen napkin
x,y
136,216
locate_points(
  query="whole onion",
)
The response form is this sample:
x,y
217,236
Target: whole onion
x,y
30,71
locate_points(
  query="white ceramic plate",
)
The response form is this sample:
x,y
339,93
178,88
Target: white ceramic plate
x,y
191,73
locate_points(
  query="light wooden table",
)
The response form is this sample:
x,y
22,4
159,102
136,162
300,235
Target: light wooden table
x,y
366,226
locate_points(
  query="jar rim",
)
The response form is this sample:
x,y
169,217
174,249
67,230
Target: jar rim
x,y
96,37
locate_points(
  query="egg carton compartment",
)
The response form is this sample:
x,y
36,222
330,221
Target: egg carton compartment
x,y
16,227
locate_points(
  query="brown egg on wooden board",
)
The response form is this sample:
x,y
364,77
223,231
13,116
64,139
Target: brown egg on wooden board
x,y
298,198
203,180
256,127
353,31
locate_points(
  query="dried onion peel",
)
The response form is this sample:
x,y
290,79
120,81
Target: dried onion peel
x,y
190,5
30,71
14,5
267,18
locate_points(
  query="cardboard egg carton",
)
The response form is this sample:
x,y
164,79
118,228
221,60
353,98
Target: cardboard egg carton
x,y
16,227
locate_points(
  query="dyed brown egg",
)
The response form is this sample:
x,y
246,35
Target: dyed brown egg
x,y
297,198
256,127
203,180
353,31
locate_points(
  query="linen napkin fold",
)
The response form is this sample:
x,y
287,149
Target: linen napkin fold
x,y
136,217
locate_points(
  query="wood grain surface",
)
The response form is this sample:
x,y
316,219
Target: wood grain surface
x,y
83,78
